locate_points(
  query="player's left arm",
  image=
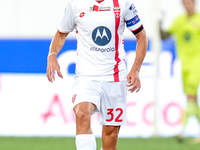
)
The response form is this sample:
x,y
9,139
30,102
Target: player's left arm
x,y
141,49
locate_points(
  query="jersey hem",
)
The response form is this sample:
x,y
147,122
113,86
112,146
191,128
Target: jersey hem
x,y
101,78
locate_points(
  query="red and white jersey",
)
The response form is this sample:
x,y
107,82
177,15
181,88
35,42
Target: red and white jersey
x,y
99,25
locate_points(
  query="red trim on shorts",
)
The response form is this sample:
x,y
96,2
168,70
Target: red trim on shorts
x,y
117,21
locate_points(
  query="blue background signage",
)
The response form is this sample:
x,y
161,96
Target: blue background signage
x,y
30,55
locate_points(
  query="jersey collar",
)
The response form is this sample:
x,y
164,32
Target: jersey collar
x,y
99,1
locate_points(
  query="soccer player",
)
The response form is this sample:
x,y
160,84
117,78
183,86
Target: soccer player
x,y
186,29
101,75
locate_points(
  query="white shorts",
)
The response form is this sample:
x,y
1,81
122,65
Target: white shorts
x,y
109,95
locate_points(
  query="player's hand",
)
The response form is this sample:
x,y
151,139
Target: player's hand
x,y
133,81
52,66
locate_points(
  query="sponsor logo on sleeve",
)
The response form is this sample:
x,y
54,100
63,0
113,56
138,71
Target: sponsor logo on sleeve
x,y
132,21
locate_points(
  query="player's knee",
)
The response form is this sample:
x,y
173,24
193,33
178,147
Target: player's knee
x,y
82,122
82,117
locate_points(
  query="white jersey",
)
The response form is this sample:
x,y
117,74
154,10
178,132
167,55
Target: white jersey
x,y
100,43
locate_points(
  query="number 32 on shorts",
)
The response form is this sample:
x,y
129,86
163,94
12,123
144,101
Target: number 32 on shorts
x,y
111,112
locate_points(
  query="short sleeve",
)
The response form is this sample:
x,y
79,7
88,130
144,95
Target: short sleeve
x,y
132,19
67,23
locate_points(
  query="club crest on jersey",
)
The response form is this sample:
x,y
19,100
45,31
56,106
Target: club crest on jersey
x,y
117,11
99,8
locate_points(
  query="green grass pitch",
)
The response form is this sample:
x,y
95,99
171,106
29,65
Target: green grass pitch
x,y
65,143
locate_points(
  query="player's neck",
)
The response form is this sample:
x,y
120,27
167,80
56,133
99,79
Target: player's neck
x,y
191,13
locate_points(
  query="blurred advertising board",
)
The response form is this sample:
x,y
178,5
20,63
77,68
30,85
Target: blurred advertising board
x,y
32,106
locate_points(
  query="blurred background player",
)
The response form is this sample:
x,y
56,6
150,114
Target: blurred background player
x,y
186,30
101,74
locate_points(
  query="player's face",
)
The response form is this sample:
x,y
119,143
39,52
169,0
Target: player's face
x,y
189,5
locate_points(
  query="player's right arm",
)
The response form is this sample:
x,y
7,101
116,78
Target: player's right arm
x,y
52,63
66,26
